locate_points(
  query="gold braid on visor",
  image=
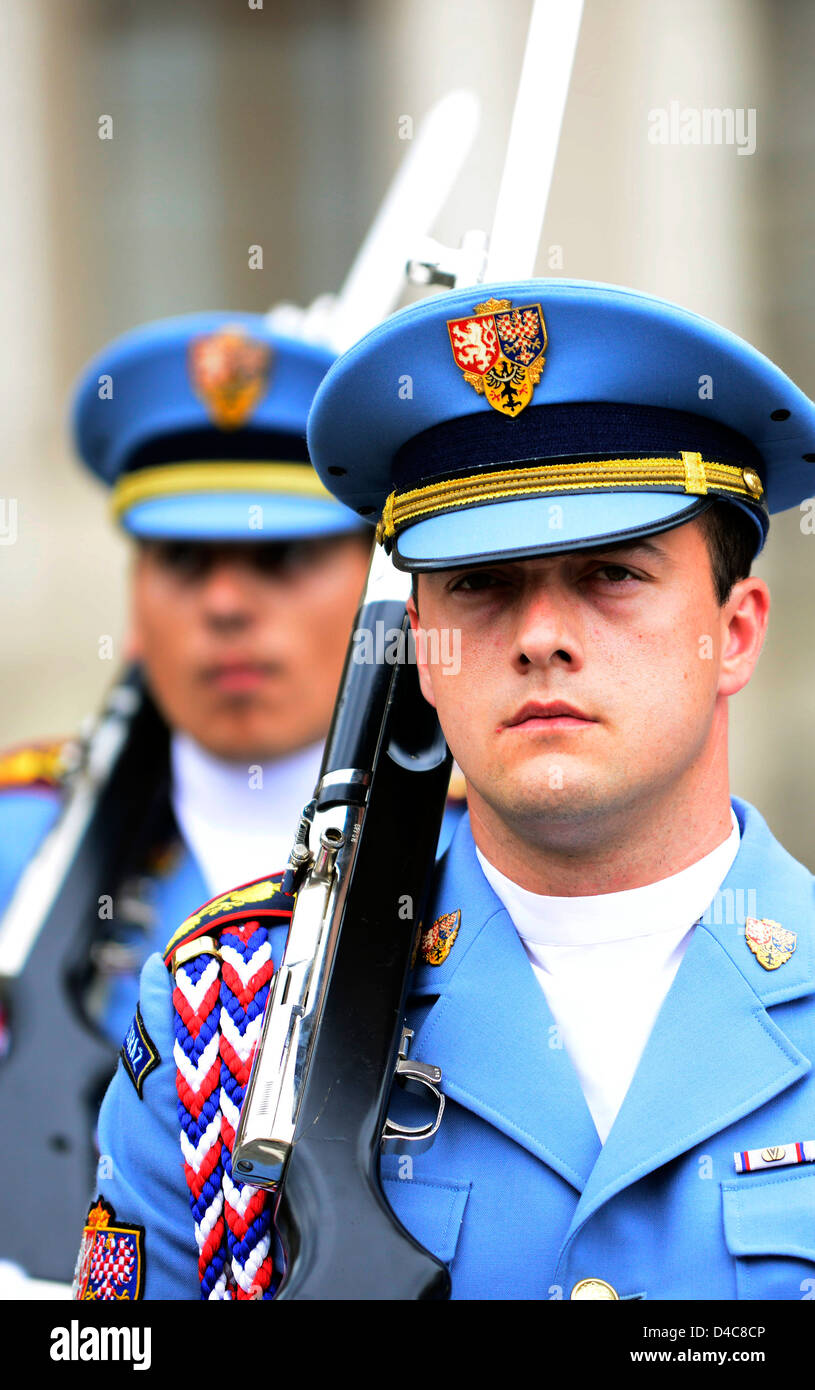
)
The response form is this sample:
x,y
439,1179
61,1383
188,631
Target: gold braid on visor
x,y
177,479
687,472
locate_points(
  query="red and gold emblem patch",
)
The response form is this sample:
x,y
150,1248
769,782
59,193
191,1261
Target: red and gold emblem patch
x,y
230,372
770,943
110,1263
500,351
435,943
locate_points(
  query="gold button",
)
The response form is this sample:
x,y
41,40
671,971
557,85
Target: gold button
x,y
594,1288
752,482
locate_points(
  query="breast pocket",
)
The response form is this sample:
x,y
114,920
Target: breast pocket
x,y
432,1209
769,1227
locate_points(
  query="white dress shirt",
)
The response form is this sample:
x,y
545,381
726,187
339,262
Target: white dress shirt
x,y
605,964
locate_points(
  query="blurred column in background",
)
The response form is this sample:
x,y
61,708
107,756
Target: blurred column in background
x,y
279,128
776,754
38,636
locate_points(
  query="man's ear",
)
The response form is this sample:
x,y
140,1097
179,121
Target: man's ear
x,y
421,653
744,622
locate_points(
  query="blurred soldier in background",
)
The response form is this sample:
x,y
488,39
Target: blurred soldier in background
x,y
245,579
246,576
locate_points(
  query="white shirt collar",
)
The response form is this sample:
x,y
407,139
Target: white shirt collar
x,y
239,819
672,902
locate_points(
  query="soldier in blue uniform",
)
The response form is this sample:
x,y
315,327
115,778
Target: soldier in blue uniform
x,y
246,574
625,1051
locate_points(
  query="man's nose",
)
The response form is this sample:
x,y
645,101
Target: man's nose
x,y
227,595
547,629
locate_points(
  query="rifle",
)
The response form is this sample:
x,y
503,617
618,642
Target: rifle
x,y
332,1041
53,1078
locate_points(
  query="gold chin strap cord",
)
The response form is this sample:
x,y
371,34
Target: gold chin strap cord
x,y
686,471
179,479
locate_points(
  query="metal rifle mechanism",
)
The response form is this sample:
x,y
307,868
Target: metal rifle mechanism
x,y
333,1038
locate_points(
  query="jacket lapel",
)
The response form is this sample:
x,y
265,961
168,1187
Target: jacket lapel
x,y
490,1030
715,1053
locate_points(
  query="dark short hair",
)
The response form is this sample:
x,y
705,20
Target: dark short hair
x,y
732,542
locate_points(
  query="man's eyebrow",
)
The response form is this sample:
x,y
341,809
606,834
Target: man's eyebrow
x,y
629,547
637,546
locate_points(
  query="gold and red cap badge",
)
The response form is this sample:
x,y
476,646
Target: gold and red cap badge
x,y
229,371
500,351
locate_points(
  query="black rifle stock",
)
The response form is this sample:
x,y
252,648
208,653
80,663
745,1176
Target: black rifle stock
x,y
53,1077
316,1104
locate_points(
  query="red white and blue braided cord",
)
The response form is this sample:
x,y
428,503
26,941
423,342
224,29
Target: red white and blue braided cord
x,y
219,1008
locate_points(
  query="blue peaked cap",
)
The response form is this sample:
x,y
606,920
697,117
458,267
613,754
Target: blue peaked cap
x,y
549,415
198,424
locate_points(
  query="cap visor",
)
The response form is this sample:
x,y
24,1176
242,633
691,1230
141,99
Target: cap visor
x,y
539,525
238,517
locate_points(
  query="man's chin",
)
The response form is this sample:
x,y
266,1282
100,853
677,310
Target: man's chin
x,y
249,746
553,794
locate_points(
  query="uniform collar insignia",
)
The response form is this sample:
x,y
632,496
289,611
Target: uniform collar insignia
x,y
771,944
436,942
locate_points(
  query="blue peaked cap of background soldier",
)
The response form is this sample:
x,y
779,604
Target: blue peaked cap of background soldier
x,y
510,420
198,424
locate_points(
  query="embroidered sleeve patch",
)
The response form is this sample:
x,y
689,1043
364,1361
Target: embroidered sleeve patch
x,y
139,1053
110,1263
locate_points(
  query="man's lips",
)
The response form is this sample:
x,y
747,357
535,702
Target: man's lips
x,y
552,714
239,676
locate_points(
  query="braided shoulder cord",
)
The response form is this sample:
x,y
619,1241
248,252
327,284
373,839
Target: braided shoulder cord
x,y
197,1000
245,976
219,1008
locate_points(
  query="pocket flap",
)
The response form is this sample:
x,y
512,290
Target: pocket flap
x,y
432,1209
773,1215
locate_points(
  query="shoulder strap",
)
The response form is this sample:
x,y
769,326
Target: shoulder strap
x,y
36,765
262,897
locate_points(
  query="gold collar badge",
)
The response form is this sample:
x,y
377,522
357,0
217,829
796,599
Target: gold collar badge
x,y
771,944
500,351
436,943
229,372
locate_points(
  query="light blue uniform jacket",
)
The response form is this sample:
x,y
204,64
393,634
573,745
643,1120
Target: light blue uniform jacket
x,y
26,816
517,1194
